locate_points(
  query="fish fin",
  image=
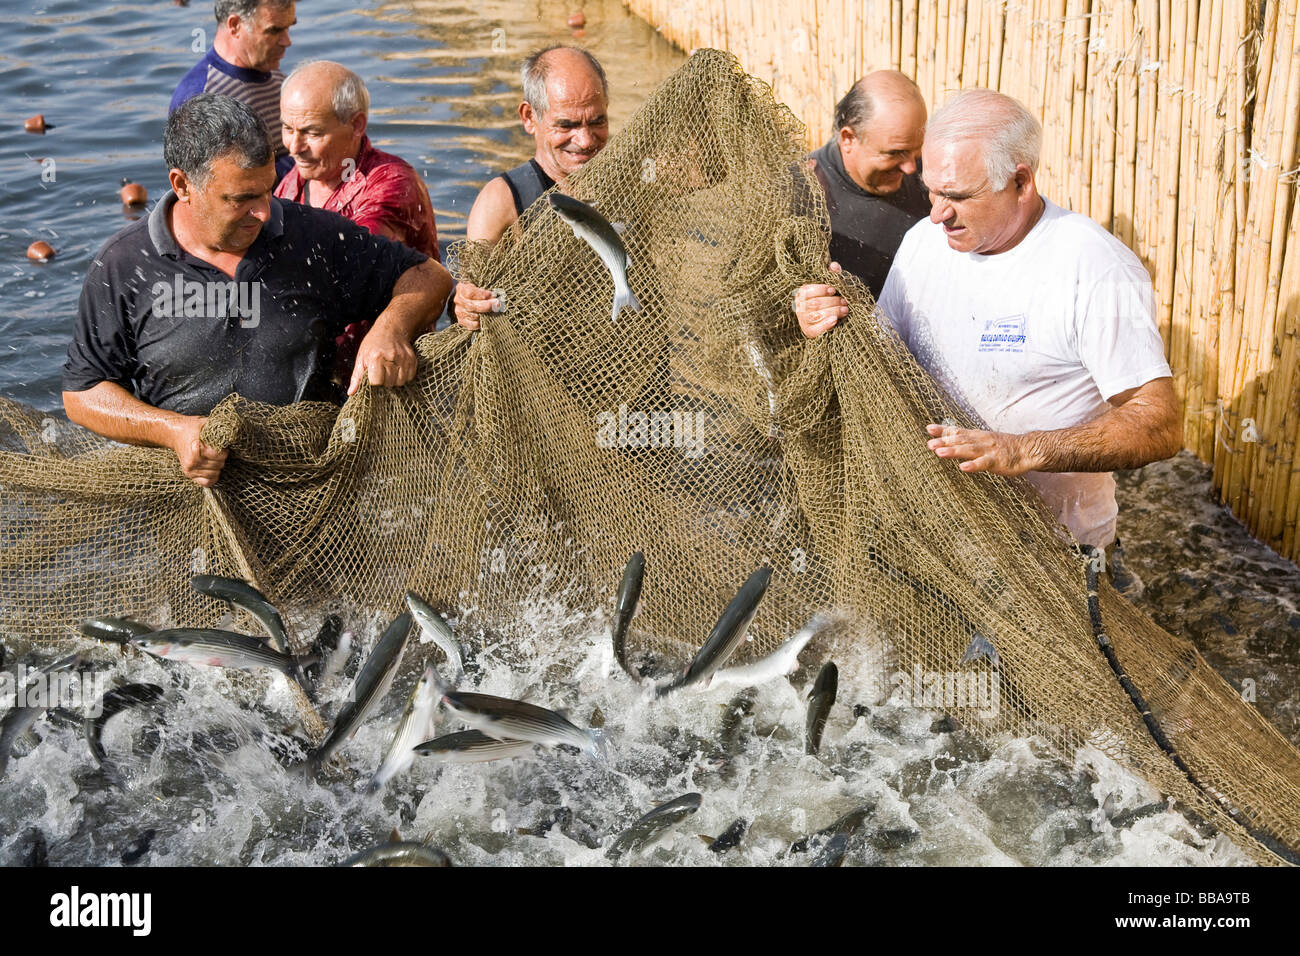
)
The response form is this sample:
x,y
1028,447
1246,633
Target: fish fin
x,y
981,646
394,836
706,838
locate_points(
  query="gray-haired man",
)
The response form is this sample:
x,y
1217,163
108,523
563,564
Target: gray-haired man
x,y
224,288
565,106
244,61
1034,319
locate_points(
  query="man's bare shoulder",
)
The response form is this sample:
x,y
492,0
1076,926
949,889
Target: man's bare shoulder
x,y
492,213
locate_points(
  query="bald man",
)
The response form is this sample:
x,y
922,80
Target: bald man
x,y
324,108
869,173
565,105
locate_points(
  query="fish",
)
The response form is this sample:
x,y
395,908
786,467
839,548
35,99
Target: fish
x,y
252,600
415,726
400,853
438,631
728,838
625,606
832,852
595,230
508,719
819,706
113,630
727,635
981,647
741,706
1126,818
139,847
846,826
651,824
113,703
372,684
781,662
213,647
326,642
473,746
18,723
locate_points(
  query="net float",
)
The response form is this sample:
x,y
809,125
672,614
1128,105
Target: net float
x,y
40,251
578,34
577,20
35,124
133,194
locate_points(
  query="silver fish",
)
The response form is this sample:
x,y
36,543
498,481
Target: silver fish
x,y
371,685
244,595
113,630
650,825
473,746
213,647
819,706
844,828
401,853
594,229
415,726
781,662
727,635
625,605
981,647
728,838
438,631
508,719
18,723
110,705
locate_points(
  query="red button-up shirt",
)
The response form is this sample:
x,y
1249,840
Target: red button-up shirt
x,y
383,191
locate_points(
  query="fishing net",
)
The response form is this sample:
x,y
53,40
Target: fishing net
x,y
527,461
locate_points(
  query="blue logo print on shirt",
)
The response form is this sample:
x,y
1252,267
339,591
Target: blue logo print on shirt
x,y
1003,335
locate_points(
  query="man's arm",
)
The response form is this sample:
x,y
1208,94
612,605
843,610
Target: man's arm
x,y
492,213
385,354
1142,426
110,410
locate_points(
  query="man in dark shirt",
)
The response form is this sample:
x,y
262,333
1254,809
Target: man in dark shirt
x,y
869,173
226,289
565,107
244,61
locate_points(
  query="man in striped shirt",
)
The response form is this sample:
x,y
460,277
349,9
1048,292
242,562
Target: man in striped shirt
x,y
244,61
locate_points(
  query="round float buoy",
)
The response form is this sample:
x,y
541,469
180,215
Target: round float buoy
x,y
577,20
40,251
578,34
133,194
35,124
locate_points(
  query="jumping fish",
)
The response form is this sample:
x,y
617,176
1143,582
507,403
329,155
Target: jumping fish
x,y
826,839
508,719
820,700
213,647
399,853
727,635
326,643
651,824
728,838
473,746
252,600
981,647
20,720
438,631
112,704
781,662
593,229
371,685
625,605
415,726
113,630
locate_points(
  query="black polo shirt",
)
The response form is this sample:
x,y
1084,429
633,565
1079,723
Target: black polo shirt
x,y
180,335
866,229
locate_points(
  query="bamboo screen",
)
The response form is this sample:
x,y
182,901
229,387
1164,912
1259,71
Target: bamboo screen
x,y
1173,124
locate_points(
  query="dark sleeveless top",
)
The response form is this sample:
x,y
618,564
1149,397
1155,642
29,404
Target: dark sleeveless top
x,y
527,183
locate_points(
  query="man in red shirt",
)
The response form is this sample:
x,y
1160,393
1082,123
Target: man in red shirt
x,y
324,107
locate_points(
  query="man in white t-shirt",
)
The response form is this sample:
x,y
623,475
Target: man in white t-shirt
x,y
1037,321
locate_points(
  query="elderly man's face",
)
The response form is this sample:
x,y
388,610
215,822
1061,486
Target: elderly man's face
x,y
230,208
975,217
575,127
263,39
320,144
880,155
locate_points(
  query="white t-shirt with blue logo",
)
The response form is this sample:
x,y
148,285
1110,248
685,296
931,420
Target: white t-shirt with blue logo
x,y
1034,338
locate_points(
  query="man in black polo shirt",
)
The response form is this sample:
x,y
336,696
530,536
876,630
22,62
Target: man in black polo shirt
x,y
869,173
225,289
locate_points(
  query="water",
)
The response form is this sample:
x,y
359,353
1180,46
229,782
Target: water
x,y
200,772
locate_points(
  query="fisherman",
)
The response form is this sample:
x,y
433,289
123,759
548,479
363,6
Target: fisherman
x,y
224,288
324,108
868,172
565,106
244,61
1034,319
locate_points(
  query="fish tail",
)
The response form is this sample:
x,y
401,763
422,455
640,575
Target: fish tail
x,y
624,298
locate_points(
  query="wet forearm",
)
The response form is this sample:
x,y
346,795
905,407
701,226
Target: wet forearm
x,y
1130,436
110,410
418,299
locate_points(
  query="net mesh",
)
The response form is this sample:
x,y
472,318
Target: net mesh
x,y
531,458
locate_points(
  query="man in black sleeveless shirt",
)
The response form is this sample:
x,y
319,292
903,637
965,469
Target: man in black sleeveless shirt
x,y
566,98
869,173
